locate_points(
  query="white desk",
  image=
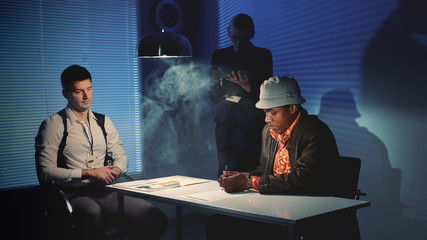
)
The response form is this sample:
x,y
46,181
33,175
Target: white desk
x,y
290,211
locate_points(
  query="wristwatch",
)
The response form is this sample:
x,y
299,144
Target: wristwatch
x,y
249,180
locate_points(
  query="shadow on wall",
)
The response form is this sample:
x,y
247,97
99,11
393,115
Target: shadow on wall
x,y
394,85
396,59
377,178
178,121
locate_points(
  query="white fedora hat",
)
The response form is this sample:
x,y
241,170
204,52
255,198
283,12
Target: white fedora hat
x,y
279,91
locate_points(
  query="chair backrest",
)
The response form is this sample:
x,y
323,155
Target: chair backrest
x,y
347,178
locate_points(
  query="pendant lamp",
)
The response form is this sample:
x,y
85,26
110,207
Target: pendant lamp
x,y
165,44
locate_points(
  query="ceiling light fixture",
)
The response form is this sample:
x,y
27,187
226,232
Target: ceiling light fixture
x,y
165,44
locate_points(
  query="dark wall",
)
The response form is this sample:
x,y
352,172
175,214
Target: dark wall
x,y
196,20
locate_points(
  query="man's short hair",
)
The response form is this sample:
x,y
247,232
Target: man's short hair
x,y
73,74
244,22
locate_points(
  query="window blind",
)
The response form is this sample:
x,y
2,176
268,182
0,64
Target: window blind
x,y
39,40
320,43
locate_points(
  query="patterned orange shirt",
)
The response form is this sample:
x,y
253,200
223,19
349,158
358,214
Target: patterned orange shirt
x,y
282,163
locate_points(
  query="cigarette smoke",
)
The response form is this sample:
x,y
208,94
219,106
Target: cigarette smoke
x,y
178,126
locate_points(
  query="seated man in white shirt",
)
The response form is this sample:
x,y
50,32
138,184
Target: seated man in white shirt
x,y
79,168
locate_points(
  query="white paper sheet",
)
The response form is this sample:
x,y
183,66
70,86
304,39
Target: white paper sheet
x,y
157,184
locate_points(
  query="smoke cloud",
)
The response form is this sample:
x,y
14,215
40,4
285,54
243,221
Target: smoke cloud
x,y
178,126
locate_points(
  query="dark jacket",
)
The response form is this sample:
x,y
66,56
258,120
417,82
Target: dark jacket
x,y
239,124
312,153
256,62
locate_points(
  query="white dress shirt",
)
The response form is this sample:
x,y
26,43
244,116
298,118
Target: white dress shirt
x,y
77,150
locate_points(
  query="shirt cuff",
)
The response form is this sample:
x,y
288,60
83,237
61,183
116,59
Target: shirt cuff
x,y
76,174
255,182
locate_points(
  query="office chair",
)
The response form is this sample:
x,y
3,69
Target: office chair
x,y
58,212
59,216
347,178
346,182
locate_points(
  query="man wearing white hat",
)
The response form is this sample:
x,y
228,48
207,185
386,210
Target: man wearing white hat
x,y
297,157
298,150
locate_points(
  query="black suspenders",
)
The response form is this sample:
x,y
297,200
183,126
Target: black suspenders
x,y
100,120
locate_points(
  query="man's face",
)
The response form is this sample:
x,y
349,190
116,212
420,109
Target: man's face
x,y
80,95
280,118
239,38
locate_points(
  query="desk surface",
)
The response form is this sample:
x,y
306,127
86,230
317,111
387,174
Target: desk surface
x,y
279,209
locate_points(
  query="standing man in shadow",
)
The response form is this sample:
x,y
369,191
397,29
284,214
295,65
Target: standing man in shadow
x,y
237,73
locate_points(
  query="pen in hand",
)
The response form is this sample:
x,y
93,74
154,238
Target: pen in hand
x,y
223,172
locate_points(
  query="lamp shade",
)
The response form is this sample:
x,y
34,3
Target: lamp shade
x,y
164,45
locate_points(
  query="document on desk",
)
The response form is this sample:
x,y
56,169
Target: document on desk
x,y
157,184
215,195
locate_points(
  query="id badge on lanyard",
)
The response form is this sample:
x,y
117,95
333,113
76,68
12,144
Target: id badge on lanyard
x,y
92,159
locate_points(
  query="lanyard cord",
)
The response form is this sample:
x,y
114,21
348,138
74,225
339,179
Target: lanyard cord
x,y
89,140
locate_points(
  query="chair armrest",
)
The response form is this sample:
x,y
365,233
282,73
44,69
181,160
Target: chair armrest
x,y
359,193
55,200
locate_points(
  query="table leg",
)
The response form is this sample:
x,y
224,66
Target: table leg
x,y
291,230
294,233
179,232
